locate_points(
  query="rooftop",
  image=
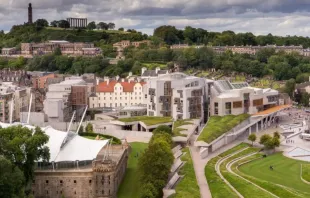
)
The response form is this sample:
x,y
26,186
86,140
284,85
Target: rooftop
x,y
272,110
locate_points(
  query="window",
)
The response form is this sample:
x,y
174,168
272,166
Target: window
x,y
228,108
74,181
216,108
90,181
115,104
46,181
60,181
47,192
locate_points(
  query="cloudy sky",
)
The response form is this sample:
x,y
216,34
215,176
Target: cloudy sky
x,y
279,17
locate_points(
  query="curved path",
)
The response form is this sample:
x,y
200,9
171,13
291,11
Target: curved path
x,y
228,167
218,171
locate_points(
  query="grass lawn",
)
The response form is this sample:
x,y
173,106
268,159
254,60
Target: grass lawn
x,y
154,65
130,184
218,125
188,186
306,172
217,186
148,120
246,189
177,129
286,172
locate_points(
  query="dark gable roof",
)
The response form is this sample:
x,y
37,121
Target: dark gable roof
x,y
162,71
149,73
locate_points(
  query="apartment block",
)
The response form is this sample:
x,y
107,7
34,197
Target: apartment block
x,y
176,95
10,93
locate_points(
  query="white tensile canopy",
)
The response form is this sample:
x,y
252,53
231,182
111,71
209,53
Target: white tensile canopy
x,y
68,146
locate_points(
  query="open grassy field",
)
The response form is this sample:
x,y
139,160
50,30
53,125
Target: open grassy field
x,y
130,184
286,173
148,120
188,186
218,125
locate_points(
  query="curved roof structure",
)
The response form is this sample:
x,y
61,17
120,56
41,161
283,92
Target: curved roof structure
x,y
68,146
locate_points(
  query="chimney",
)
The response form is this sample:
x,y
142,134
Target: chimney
x,y
123,80
157,69
97,81
143,70
129,74
108,81
117,77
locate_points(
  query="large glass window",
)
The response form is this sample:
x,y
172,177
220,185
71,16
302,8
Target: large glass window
x,y
216,108
228,108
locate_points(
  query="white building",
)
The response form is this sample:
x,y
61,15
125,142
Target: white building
x,y
176,95
117,94
61,99
237,98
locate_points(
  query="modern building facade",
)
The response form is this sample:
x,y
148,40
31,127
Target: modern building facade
x,y
65,97
66,48
117,94
176,95
236,98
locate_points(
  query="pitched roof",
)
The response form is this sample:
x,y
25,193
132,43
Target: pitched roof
x,y
127,86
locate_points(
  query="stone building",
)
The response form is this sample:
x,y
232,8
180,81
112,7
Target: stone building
x,y
78,167
18,77
120,46
77,22
66,48
8,51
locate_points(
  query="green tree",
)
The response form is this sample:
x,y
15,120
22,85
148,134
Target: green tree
x,y
63,24
89,128
163,128
102,26
91,25
121,29
54,23
12,180
81,130
57,52
111,26
23,147
305,99
290,87
41,23
252,138
264,138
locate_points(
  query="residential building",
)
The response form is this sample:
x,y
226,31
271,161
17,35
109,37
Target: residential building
x,y
120,46
176,95
66,48
65,97
18,77
8,51
236,98
10,93
147,74
117,94
39,82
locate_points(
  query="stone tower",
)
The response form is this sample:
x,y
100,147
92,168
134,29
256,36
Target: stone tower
x,y
30,14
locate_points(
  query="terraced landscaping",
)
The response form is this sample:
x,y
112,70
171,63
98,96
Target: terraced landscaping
x,y
188,186
218,125
148,120
176,131
306,172
243,172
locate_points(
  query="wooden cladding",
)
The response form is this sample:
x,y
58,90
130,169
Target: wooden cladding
x,y
258,102
237,104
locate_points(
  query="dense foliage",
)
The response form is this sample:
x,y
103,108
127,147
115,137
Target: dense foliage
x,y
199,36
32,33
155,164
22,147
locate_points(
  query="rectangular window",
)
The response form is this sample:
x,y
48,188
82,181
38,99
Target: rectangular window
x,y
216,108
228,108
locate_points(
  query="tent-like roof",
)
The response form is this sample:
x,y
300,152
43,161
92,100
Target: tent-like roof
x,y
68,146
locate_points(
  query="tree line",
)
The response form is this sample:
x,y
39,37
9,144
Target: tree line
x,y
198,36
155,163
